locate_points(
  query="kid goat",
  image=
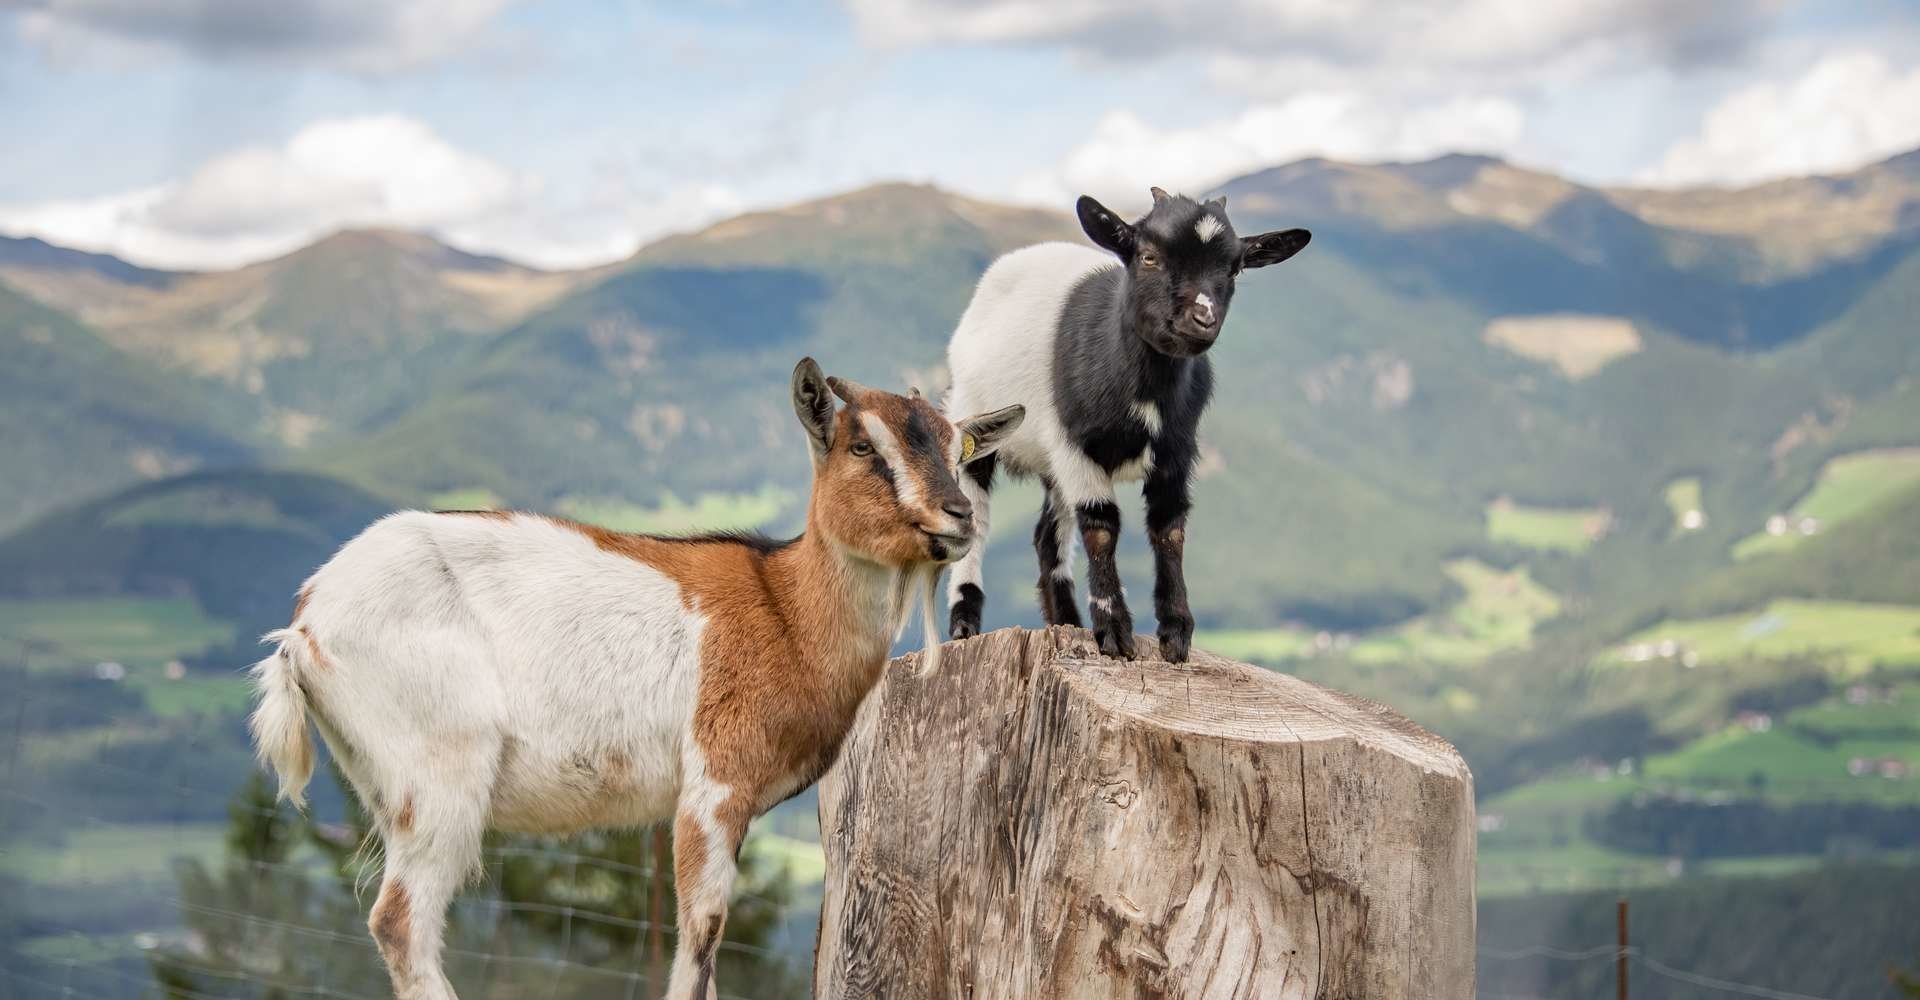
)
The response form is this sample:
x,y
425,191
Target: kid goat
x,y
508,671
1107,358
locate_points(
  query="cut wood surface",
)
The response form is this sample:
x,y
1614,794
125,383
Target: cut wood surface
x,y
1039,821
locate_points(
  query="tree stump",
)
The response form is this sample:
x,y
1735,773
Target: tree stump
x,y
1039,821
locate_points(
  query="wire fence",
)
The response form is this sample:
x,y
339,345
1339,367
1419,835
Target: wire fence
x,y
153,895
124,906
1639,959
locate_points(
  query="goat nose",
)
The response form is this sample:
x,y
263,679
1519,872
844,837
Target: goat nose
x,y
959,509
1202,313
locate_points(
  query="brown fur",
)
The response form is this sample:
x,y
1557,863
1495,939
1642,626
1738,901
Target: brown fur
x,y
392,916
313,647
300,600
786,658
403,821
497,515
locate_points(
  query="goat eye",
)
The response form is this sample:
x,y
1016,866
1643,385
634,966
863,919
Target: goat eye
x,y
1149,259
861,449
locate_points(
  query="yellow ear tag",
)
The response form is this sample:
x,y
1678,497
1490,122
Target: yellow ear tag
x,y
966,447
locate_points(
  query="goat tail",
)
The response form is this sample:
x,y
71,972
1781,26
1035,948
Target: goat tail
x,y
279,721
930,660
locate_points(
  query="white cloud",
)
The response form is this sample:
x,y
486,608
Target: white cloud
x,y
383,170
362,36
1484,35
1125,155
1849,109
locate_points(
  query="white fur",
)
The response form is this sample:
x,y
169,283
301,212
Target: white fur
x,y
1207,228
483,672
905,487
1002,354
1149,414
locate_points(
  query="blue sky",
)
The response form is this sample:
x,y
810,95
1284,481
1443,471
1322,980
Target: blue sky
x,y
200,133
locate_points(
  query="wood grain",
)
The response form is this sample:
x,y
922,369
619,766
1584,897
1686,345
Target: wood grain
x,y
1037,821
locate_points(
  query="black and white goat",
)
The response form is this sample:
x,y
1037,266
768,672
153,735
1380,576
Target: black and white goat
x,y
1108,357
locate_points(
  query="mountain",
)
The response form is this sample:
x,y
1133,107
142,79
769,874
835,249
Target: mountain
x,y
311,343
667,371
81,418
238,542
1575,475
1463,331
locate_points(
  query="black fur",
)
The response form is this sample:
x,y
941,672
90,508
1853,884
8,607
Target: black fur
x,y
1049,542
1134,337
964,620
761,545
1112,622
1131,340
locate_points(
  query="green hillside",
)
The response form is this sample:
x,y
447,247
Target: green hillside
x,y
1490,451
81,418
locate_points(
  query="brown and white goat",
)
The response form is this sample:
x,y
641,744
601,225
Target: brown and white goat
x,y
509,671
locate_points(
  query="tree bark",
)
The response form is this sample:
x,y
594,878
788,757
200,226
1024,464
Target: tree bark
x,y
1039,821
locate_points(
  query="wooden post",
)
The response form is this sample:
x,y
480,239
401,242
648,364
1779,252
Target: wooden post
x,y
1620,958
1037,820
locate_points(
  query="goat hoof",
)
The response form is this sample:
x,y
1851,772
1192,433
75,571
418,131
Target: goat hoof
x,y
1175,643
962,626
1116,640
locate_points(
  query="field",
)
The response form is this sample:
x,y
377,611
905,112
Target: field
x,y
1576,345
129,630
1684,502
1557,529
1848,486
707,512
1498,613
114,853
1855,636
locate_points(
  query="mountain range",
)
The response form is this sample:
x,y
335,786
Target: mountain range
x,y
1463,332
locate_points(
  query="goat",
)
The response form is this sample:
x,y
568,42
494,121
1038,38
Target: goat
x,y
511,671
1107,356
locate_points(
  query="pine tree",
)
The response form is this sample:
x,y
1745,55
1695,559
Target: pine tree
x,y
284,914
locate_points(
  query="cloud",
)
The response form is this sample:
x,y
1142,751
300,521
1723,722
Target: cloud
x,y
1847,110
361,36
1504,36
381,170
1125,155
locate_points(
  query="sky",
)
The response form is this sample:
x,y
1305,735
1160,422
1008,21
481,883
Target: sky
x,y
214,133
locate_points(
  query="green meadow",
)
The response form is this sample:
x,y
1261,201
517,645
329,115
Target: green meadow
x,y
1554,529
1854,636
1848,486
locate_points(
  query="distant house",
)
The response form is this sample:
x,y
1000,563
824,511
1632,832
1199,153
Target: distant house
x,y
1891,768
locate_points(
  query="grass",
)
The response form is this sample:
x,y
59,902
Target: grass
x,y
1856,636
1848,486
193,694
1498,613
1684,502
122,851
708,512
1555,529
802,858
130,630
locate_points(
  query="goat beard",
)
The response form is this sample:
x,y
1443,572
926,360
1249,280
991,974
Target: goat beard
x,y
930,660
925,580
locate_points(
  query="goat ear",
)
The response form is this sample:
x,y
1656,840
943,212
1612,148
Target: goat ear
x,y
814,406
981,434
1105,228
1272,248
